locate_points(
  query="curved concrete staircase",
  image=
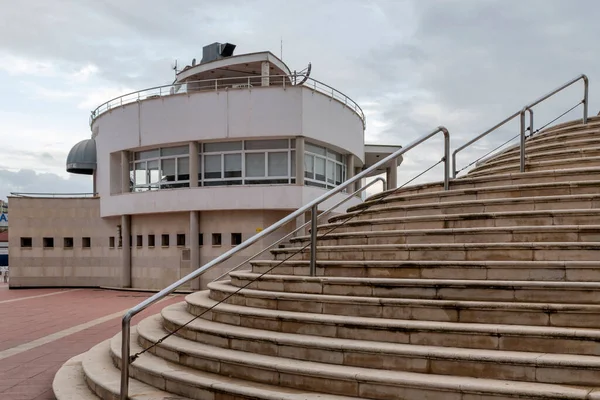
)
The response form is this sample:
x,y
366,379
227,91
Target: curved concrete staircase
x,y
490,290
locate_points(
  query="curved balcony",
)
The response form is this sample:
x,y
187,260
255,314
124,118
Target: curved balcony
x,y
235,83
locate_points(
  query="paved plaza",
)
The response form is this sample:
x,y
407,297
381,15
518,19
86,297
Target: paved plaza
x,y
40,329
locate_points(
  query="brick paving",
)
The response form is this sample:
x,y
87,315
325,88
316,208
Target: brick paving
x,y
29,374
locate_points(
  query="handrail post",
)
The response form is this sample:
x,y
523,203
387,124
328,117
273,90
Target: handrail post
x,y
313,240
530,122
125,350
586,83
522,117
446,158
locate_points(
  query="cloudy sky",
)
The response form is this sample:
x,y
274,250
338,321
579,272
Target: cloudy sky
x,y
411,65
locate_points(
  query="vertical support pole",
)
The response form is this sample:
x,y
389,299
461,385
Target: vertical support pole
x,y
194,164
126,251
522,116
530,122
313,240
586,83
264,72
125,178
349,171
454,172
299,161
446,159
194,247
125,336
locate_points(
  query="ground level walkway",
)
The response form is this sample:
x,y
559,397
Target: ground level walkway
x,y
40,329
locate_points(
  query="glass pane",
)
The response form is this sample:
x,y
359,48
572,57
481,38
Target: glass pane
x,y
140,173
255,164
222,146
309,166
266,144
278,164
334,155
293,143
212,166
293,164
183,168
153,173
168,170
330,171
143,155
174,151
320,169
315,149
233,165
338,174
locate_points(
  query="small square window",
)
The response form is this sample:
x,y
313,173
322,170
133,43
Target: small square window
x,y
68,243
150,240
111,241
200,239
48,242
236,238
165,240
86,242
181,239
139,241
26,242
216,239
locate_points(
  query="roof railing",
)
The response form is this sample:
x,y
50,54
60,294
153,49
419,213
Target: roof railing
x,y
54,195
312,206
230,83
521,114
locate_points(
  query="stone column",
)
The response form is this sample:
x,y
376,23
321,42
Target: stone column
x,y
194,150
299,161
350,171
392,175
126,251
195,246
125,188
264,71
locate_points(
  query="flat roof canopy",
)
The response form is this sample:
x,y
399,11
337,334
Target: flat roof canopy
x,y
377,152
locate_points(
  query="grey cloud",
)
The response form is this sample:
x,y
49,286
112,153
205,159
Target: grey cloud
x,y
29,181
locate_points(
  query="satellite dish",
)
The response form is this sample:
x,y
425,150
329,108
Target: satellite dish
x,y
194,62
305,73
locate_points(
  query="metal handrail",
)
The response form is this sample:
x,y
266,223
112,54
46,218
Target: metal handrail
x,y
217,84
77,195
126,321
339,203
521,113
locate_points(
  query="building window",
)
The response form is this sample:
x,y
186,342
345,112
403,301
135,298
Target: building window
x,y
150,240
236,238
216,239
323,167
200,239
86,242
164,168
68,243
26,242
139,240
48,242
181,239
111,242
165,240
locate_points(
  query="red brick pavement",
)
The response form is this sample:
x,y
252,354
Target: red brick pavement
x,y
28,375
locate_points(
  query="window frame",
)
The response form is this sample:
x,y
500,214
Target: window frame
x,y
161,184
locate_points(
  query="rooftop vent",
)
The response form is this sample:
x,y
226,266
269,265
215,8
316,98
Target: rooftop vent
x,y
216,51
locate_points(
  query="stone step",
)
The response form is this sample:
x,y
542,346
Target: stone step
x,y
433,289
500,179
566,188
104,379
399,209
69,382
468,220
544,339
197,384
593,123
467,311
571,271
534,251
546,165
553,233
340,380
492,364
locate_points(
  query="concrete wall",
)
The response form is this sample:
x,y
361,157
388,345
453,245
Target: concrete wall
x,y
37,218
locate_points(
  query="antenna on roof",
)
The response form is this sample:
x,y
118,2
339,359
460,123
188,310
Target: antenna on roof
x,y
174,66
281,49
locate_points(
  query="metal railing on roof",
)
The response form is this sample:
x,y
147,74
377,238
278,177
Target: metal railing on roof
x,y
232,83
53,195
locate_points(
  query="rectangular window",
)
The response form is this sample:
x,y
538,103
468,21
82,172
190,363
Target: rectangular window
x,y
200,239
183,168
86,242
221,146
139,241
309,167
278,164
111,242
26,242
181,239
165,240
68,243
320,169
212,166
48,242
216,239
266,144
236,238
174,151
150,240
255,165
144,155
233,165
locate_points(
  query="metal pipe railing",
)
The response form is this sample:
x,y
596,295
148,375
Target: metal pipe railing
x,y
336,205
521,114
126,321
